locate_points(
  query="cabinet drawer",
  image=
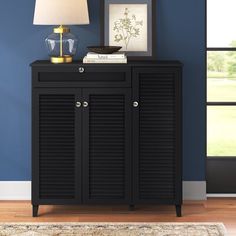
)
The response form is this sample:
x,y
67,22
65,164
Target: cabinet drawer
x,y
82,76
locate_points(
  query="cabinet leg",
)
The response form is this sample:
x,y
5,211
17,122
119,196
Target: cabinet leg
x,y
131,207
178,210
35,210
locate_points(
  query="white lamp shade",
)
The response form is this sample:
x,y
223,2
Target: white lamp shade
x,y
61,12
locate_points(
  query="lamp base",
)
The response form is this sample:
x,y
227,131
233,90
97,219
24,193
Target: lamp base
x,y
63,59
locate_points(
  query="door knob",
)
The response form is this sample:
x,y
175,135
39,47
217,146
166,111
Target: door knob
x,y
81,70
85,104
135,104
78,104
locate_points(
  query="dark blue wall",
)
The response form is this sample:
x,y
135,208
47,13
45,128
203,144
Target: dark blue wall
x,y
180,25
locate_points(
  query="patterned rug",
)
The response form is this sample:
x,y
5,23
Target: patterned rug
x,y
112,229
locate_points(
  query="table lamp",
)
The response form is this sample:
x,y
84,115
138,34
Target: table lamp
x,y
61,44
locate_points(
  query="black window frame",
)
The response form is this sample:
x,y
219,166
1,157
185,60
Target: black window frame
x,y
218,171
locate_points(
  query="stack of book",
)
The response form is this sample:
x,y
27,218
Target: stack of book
x,y
117,57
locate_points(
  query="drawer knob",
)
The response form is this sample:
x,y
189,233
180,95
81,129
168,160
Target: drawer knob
x,y
78,104
135,104
81,70
85,104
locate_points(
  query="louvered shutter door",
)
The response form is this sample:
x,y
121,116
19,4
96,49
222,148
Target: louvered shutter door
x,y
56,162
106,123
155,135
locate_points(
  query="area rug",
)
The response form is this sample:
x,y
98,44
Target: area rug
x,y
112,229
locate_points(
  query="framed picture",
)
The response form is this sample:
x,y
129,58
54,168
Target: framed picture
x,y
129,24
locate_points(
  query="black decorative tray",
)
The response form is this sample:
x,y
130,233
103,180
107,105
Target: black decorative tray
x,y
104,49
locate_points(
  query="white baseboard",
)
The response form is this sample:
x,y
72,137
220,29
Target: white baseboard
x,y
221,195
21,190
15,190
194,190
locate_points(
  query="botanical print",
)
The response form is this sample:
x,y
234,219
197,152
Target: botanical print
x,y
128,26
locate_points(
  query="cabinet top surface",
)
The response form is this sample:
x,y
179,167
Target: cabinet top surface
x,y
130,63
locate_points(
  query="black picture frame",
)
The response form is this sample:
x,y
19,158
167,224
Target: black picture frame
x,y
153,30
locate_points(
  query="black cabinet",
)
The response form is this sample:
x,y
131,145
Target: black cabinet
x,y
106,134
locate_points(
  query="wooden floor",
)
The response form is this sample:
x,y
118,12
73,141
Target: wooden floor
x,y
212,210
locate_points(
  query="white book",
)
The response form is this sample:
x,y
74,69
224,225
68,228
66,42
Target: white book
x,y
87,60
117,55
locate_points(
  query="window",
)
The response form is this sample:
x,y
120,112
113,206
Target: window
x,y
221,96
221,78
221,18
